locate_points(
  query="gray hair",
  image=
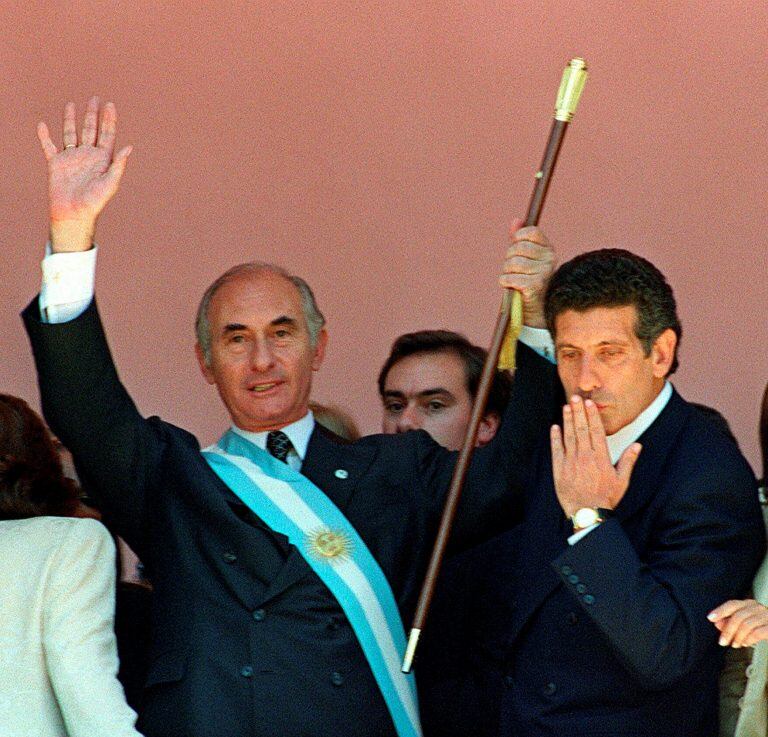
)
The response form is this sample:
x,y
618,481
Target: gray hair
x,y
312,315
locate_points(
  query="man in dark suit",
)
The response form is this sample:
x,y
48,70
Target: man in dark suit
x,y
247,639
640,515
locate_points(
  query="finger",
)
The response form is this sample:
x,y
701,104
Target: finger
x,y
526,258
626,463
116,170
44,136
88,134
732,625
525,283
595,426
580,424
108,127
69,127
726,609
531,234
759,634
756,619
558,455
569,432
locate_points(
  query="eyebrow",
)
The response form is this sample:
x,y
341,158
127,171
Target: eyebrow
x,y
426,393
601,343
233,327
284,320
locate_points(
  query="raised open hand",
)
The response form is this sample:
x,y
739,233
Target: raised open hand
x,y
583,472
83,176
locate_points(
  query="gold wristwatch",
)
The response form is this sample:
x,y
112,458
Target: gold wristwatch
x,y
588,516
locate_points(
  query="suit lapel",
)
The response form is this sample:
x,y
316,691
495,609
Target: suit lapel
x,y
335,466
657,442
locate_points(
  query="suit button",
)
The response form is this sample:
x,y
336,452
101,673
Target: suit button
x,y
246,671
573,578
336,678
581,588
572,618
229,556
566,570
549,689
589,599
259,615
509,681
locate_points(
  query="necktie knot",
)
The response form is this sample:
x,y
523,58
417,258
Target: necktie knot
x,y
278,445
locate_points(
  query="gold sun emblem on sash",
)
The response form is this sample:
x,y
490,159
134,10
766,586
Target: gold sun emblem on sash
x,y
330,545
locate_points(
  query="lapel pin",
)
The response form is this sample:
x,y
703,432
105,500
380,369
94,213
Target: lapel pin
x,y
341,473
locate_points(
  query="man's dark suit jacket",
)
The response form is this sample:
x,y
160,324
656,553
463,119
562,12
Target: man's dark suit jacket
x,y
246,639
608,637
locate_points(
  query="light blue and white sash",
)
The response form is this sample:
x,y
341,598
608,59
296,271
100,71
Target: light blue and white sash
x,y
292,505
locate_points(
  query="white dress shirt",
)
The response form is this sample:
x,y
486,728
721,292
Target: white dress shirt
x,y
298,433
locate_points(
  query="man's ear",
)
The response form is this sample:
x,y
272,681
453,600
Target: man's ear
x,y
319,352
204,367
487,429
663,353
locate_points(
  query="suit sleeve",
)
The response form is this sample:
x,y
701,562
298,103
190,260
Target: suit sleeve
x,y
708,542
491,501
116,451
78,635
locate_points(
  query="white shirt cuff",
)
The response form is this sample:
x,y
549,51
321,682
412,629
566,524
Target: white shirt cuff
x,y
573,539
68,284
539,340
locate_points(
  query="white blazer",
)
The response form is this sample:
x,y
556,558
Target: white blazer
x,y
58,657
744,681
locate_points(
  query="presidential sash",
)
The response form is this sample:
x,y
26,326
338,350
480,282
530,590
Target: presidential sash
x,y
292,505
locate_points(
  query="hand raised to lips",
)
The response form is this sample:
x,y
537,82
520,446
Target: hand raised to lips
x,y
583,472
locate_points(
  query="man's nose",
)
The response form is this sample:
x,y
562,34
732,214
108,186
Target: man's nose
x,y
262,357
408,419
587,378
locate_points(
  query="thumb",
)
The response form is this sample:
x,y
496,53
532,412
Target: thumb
x,y
116,169
515,225
627,462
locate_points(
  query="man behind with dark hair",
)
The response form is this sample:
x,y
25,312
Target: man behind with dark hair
x,y
640,517
429,382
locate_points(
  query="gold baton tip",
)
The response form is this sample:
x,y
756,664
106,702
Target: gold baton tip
x,y
410,650
571,87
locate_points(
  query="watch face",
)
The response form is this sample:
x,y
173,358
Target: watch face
x,y
585,517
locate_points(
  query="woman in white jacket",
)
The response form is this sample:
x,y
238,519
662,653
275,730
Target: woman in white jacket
x,y
58,658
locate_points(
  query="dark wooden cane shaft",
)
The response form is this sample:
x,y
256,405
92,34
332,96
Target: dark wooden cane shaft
x,y
486,380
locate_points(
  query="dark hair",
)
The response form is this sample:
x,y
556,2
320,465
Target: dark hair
x,y
32,483
446,341
613,277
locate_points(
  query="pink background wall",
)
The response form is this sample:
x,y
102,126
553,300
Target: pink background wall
x,y
380,149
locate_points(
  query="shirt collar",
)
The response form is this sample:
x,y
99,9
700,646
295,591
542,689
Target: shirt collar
x,y
621,440
298,433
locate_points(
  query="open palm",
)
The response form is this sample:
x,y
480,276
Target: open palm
x,y
84,175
